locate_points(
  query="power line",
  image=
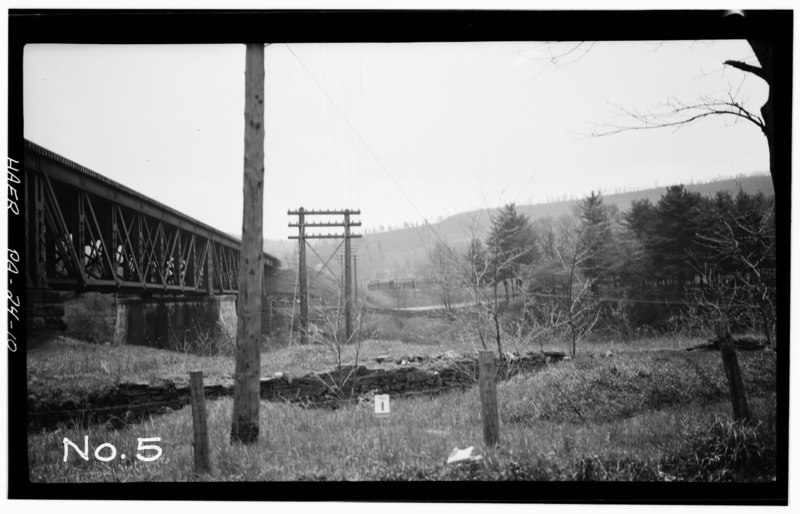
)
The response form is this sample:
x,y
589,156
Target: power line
x,y
374,155
608,299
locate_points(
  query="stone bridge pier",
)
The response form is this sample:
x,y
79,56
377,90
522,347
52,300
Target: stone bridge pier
x,y
200,324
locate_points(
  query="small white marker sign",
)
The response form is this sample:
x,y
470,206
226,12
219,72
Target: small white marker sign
x,y
382,405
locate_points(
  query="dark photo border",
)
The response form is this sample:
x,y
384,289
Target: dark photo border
x,y
224,26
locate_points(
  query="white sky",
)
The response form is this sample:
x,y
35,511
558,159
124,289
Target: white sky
x,y
454,126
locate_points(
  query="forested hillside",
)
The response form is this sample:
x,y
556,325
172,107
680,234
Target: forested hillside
x,y
401,252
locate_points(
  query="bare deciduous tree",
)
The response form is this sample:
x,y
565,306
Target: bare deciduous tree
x,y
443,271
480,273
335,340
540,318
560,276
746,286
573,252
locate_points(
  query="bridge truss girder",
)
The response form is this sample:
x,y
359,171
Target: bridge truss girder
x,y
86,232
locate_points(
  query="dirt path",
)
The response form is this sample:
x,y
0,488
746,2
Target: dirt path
x,y
433,307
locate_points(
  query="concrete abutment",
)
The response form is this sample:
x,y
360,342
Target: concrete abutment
x,y
197,324
205,324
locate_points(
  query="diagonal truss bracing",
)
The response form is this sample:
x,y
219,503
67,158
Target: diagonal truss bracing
x,y
86,232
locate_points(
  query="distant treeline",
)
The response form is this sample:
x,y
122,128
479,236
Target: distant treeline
x,y
674,263
402,253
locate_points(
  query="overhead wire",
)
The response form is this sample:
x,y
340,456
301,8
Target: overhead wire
x,y
617,300
360,113
366,145
363,141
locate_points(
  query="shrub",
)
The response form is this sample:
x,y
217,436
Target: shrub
x,y
728,452
210,341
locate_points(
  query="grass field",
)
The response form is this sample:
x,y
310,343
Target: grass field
x,y
632,415
74,369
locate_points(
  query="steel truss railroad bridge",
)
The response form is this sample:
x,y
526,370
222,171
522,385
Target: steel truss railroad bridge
x,y
85,232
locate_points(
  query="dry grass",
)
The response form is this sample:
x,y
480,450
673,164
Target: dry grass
x,y
71,364
650,416
68,363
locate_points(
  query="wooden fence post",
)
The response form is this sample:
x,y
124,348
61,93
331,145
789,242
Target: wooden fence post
x,y
202,458
488,388
732,371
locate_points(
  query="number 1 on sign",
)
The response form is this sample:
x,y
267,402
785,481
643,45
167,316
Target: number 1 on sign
x,y
382,408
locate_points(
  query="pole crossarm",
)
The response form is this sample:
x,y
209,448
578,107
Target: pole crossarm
x,y
327,236
326,224
324,212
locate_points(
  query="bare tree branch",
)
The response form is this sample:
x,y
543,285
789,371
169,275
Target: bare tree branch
x,y
749,68
678,114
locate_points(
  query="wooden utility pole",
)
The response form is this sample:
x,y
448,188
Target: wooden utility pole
x,y
303,238
355,280
348,280
735,383
246,388
302,278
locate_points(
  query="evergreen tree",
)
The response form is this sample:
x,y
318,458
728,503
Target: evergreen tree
x,y
639,220
598,238
511,244
744,218
672,243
